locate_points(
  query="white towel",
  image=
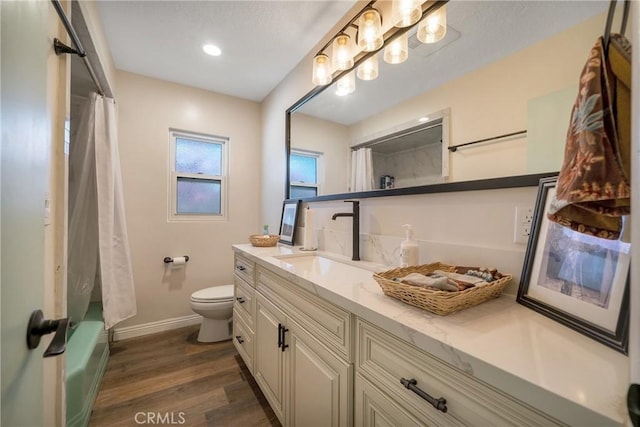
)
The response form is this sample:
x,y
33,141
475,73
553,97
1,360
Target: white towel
x,y
435,281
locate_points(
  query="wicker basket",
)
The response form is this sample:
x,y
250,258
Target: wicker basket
x,y
436,301
263,240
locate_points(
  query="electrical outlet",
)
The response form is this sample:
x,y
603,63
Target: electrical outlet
x,y
523,224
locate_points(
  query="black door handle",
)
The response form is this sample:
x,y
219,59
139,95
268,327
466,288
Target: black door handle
x,y
284,331
280,328
439,403
38,327
239,339
240,300
241,267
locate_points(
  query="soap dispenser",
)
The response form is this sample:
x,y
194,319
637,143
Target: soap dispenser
x,y
408,248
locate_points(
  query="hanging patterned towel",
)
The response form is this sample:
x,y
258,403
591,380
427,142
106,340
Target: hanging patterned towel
x,y
593,188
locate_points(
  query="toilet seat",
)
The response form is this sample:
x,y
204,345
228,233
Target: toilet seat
x,y
214,294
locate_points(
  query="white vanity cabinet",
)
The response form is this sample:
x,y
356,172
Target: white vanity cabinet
x,y
384,363
244,309
306,381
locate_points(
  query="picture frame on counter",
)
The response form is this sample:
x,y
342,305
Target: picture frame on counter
x,y
288,221
578,280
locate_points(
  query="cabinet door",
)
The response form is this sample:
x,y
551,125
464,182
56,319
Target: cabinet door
x,y
269,357
319,382
374,408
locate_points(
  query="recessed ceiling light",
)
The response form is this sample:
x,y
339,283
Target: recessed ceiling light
x,y
212,50
423,119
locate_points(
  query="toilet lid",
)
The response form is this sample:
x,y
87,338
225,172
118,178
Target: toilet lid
x,y
214,293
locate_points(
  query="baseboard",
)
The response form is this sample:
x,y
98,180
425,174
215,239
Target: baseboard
x,y
155,327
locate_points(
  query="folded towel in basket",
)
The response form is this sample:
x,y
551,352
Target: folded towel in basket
x,y
437,281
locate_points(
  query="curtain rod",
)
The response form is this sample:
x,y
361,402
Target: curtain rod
x,y
61,48
399,134
454,148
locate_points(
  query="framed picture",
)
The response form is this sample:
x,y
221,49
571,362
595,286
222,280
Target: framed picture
x,y
288,221
578,280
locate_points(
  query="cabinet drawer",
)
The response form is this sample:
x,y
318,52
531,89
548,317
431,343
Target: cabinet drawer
x,y
326,322
384,360
244,300
243,339
244,269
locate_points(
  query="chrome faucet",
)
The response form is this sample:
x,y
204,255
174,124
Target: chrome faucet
x,y
355,214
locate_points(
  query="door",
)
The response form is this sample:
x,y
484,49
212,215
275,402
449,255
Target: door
x,y
25,170
319,382
269,357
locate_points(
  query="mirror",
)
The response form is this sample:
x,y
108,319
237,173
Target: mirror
x,y
481,81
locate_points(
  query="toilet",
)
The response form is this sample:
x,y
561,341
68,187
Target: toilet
x,y
215,305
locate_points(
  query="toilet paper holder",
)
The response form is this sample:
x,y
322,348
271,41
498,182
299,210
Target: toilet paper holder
x,y
168,259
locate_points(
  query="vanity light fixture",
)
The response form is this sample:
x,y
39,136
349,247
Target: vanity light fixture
x,y
212,50
321,70
346,84
370,30
368,70
433,27
342,54
359,41
398,50
406,12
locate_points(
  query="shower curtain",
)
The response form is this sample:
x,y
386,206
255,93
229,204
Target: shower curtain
x,y
98,242
361,169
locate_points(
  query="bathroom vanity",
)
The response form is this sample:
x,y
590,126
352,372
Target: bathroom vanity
x,y
327,347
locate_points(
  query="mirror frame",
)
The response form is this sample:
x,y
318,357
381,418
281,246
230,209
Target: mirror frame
x,y
516,181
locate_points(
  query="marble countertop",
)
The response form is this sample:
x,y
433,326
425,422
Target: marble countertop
x,y
504,344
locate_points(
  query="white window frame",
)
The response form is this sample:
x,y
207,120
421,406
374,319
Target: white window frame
x,y
173,216
319,170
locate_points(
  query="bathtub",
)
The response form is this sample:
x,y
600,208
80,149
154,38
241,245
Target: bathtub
x,y
86,359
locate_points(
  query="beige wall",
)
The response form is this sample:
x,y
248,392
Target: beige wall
x,y
309,133
147,108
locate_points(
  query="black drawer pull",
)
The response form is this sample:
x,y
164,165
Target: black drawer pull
x,y
280,335
440,403
241,267
284,331
239,339
240,300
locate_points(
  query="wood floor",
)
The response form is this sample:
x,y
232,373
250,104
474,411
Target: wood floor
x,y
171,379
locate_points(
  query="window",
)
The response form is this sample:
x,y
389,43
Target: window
x,y
304,169
198,177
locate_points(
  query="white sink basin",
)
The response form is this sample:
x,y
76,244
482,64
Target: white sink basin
x,y
323,263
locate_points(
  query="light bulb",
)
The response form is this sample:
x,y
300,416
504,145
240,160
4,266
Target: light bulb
x,y
342,55
368,70
405,12
397,51
433,28
321,71
346,84
370,30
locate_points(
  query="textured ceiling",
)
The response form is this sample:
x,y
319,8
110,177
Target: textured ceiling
x,y
262,41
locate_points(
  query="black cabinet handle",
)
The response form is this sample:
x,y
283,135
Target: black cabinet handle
x,y
240,300
280,335
440,403
284,331
241,267
38,327
239,339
